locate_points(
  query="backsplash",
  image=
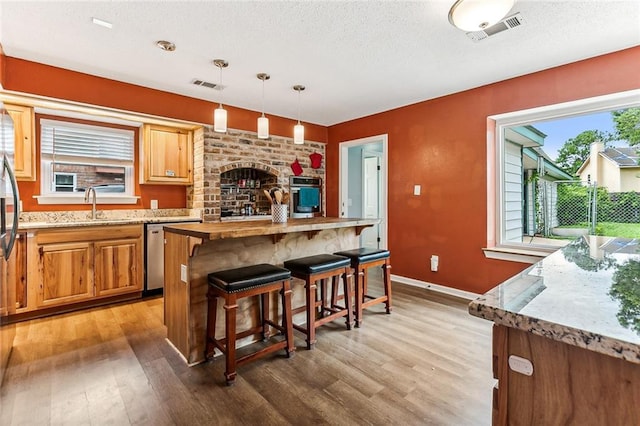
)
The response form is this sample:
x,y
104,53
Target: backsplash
x,y
83,215
216,153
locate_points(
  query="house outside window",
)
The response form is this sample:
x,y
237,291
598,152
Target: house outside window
x,y
64,182
77,156
524,181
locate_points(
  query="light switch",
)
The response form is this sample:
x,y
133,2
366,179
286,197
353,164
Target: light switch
x,y
416,189
154,204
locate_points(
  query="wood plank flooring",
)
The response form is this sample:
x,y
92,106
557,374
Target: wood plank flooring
x,y
429,362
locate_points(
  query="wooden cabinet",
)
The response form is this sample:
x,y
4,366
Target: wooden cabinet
x,y
85,263
18,270
117,266
66,273
25,145
166,155
565,384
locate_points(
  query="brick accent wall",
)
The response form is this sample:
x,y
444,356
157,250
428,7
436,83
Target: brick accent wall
x,y
219,152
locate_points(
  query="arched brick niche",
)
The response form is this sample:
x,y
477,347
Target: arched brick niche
x,y
220,153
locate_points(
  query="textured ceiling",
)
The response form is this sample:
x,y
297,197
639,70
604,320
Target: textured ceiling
x,y
356,58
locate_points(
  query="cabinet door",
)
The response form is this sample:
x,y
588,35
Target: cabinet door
x,y
25,150
117,266
18,270
168,156
66,273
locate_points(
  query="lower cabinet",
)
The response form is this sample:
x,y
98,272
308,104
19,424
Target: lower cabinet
x,y
117,266
82,264
66,273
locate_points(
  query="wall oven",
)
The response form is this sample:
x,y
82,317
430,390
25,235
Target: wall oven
x,y
306,196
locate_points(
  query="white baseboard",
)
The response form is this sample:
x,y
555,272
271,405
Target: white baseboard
x,y
435,287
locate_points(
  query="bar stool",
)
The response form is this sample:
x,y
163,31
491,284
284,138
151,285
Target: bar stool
x,y
316,268
361,260
235,284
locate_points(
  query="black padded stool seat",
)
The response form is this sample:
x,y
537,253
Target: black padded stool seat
x,y
316,268
362,259
235,284
233,280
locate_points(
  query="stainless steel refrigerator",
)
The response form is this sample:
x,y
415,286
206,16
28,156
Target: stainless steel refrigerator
x,y
9,213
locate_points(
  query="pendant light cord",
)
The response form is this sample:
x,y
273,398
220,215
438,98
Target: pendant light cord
x,y
299,106
221,88
263,96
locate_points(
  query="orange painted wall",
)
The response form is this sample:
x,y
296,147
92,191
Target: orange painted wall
x,y
35,78
441,145
2,61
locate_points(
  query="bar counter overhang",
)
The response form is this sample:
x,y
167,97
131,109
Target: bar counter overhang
x,y
194,250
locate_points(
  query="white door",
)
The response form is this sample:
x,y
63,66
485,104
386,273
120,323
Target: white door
x,y
370,237
360,188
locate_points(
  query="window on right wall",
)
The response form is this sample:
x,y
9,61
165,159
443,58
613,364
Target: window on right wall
x,y
561,171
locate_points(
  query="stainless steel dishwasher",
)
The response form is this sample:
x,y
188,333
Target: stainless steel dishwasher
x,y
154,257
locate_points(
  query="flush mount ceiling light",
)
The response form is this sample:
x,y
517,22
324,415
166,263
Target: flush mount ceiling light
x,y
298,129
263,122
166,45
220,114
102,23
476,15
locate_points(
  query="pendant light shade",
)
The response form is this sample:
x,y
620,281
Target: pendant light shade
x,y
263,122
220,114
298,134
263,128
476,15
220,119
298,129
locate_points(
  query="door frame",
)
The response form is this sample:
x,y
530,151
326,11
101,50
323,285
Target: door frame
x,y
343,181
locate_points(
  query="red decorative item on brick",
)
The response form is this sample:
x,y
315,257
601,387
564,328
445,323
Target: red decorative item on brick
x,y
296,167
316,160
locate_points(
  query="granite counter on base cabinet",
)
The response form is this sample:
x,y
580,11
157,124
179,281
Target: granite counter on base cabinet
x,y
566,337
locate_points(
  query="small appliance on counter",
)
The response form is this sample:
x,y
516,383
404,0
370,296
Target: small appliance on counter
x,y
306,196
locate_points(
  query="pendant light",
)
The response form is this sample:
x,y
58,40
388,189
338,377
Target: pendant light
x,y
298,129
220,114
263,122
476,15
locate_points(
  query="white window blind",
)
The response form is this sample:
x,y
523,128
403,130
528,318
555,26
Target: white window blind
x,y
86,141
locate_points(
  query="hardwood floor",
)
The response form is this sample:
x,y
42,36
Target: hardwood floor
x,y
429,362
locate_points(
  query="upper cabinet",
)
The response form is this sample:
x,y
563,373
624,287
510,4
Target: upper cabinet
x,y
167,155
25,145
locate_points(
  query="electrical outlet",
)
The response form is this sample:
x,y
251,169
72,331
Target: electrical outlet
x,y
520,365
416,189
154,204
434,263
183,273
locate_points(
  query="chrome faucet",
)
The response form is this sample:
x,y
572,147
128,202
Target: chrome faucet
x,y
87,194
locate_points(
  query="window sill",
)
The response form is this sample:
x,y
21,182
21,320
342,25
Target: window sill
x,y
517,254
79,199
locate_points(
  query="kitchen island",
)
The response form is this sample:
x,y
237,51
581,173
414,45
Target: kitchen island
x,y
194,250
566,339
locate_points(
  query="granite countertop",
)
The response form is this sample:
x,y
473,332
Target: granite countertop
x,y
587,294
64,219
222,230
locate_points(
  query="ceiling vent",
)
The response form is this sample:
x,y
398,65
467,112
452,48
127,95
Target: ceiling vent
x,y
507,23
207,84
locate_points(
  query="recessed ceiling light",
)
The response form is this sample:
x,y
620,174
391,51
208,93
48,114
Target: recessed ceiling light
x,y
102,23
166,45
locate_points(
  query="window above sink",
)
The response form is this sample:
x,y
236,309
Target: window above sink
x,y
76,156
